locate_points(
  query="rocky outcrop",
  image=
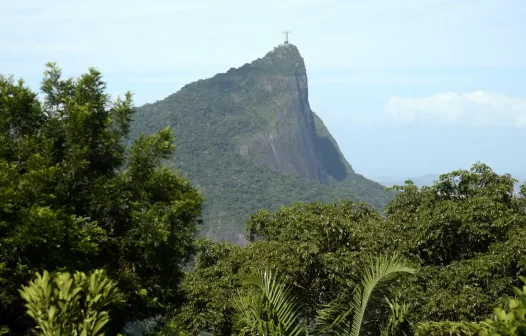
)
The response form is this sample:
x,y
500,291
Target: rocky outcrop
x,y
290,143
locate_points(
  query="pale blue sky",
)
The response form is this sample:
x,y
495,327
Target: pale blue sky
x,y
407,87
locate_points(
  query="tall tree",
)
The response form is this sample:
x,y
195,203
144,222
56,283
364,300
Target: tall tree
x,y
468,233
72,197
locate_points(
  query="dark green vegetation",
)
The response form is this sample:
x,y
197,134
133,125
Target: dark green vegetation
x,y
250,141
66,203
110,229
466,236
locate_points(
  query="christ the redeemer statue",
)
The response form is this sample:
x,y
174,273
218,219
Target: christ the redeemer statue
x,y
286,32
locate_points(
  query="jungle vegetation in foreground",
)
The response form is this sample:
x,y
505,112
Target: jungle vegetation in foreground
x,y
94,234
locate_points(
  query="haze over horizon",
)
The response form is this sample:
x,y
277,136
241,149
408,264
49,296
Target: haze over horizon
x,y
407,87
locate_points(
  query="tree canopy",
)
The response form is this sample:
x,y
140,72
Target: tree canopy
x,y
73,197
466,235
468,232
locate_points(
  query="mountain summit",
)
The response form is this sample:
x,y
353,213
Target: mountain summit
x,y
290,138
250,141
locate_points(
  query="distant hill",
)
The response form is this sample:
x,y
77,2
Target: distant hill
x,y
425,180
249,140
419,181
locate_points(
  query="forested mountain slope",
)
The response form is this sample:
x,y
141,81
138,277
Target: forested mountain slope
x,y
249,140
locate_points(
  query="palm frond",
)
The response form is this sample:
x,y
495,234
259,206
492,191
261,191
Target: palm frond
x,y
333,319
382,270
397,323
336,316
267,308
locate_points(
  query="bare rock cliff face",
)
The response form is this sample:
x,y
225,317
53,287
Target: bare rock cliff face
x,y
290,143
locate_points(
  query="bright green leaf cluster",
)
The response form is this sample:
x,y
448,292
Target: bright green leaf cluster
x,y
511,323
65,304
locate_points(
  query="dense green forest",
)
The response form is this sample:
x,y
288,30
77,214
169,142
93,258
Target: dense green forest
x,y
222,124
95,234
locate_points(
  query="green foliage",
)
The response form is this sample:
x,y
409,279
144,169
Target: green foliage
x,y
63,304
209,287
343,317
266,305
397,323
318,249
72,197
460,216
468,233
267,308
171,328
512,323
447,328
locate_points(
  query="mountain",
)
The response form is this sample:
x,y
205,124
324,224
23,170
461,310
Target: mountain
x,y
249,140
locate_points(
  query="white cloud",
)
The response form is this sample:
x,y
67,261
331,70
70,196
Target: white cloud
x,y
479,108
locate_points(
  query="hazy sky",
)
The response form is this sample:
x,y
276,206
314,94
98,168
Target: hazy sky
x,y
407,87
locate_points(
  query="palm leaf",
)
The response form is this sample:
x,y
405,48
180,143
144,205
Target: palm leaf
x,y
267,308
380,271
